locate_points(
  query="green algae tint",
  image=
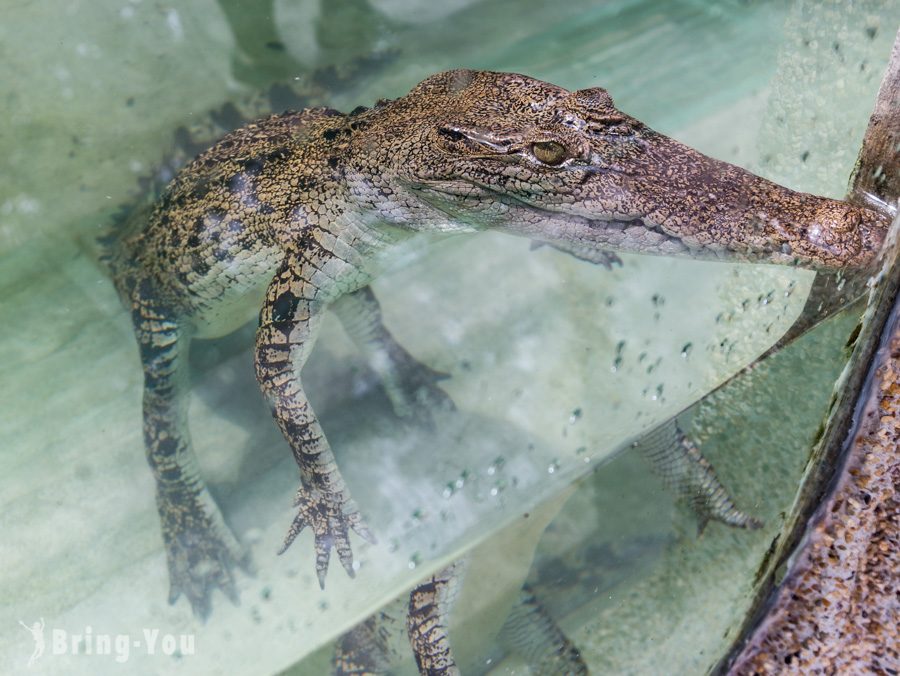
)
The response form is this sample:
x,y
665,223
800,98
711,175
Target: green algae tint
x,y
514,479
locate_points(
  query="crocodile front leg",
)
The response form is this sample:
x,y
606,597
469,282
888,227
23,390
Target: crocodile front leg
x,y
288,325
201,551
410,385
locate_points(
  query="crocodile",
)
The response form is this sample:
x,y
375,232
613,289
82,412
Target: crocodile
x,y
296,213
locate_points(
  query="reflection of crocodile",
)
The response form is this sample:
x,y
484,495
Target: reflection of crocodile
x,y
294,213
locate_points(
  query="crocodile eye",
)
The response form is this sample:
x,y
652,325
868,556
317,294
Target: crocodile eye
x,y
451,134
549,152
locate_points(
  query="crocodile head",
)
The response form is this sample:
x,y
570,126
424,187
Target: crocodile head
x,y
505,151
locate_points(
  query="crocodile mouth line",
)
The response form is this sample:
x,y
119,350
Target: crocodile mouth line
x,y
635,234
613,233
638,235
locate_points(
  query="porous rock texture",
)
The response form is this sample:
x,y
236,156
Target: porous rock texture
x,y
838,613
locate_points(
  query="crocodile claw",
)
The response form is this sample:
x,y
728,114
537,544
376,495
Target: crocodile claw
x,y
331,526
201,557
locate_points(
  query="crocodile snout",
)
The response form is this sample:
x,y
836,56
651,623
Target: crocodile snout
x,y
844,234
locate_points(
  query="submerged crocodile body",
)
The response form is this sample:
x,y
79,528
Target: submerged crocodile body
x,y
296,213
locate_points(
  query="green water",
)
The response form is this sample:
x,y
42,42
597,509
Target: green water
x,y
555,364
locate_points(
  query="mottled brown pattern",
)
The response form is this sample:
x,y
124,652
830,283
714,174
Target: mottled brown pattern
x,y
286,215
427,621
839,612
365,650
619,185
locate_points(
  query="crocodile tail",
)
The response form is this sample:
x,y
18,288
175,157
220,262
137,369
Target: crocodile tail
x,y
683,468
533,634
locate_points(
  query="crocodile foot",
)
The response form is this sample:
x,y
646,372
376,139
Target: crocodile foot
x,y
414,391
330,521
201,553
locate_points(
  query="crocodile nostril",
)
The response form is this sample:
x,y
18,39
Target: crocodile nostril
x,y
451,133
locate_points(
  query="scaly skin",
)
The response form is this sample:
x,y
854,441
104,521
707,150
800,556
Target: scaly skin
x,y
293,212
684,469
427,621
532,633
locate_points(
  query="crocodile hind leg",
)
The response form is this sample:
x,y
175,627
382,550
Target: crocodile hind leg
x,y
366,649
410,385
683,468
201,551
370,647
288,325
427,621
